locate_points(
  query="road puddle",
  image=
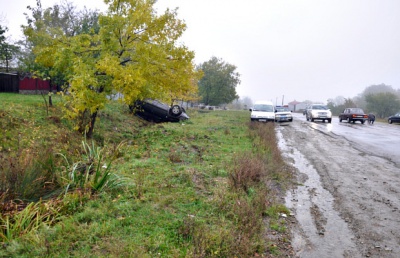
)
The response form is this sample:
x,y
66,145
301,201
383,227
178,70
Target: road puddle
x,y
322,232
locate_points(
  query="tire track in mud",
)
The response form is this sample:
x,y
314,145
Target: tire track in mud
x,y
347,202
321,228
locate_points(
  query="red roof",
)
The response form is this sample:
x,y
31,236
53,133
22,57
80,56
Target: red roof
x,y
294,102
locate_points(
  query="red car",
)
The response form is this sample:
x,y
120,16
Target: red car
x,y
353,115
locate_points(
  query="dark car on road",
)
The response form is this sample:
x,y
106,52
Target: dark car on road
x,y
394,119
157,111
351,115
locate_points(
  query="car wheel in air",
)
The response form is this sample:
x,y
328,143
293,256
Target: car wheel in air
x,y
175,110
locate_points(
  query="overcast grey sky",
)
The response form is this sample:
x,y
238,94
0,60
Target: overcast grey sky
x,y
300,49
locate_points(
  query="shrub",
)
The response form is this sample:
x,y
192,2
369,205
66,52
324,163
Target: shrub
x,y
92,172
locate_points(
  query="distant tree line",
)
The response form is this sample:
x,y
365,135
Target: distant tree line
x,y
382,100
8,51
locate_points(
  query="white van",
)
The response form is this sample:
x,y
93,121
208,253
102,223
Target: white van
x,y
263,111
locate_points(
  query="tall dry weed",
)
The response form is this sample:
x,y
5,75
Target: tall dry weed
x,y
247,170
27,175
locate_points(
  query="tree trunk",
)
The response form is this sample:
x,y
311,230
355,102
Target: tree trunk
x,y
89,133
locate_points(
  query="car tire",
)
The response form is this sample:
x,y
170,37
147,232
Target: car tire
x,y
362,122
390,121
340,120
330,120
175,110
348,120
311,119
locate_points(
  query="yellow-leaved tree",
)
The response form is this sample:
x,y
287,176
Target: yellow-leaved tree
x,y
135,52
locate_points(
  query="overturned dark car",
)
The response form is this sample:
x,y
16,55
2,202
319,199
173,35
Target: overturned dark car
x,y
158,112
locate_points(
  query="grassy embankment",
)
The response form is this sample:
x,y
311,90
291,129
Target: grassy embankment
x,y
205,188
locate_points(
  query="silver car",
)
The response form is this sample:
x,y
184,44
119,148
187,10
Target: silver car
x,y
319,112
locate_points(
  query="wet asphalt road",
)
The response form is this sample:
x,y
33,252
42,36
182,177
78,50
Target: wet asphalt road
x,y
379,139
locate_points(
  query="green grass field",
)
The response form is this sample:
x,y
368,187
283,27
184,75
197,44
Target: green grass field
x,y
203,188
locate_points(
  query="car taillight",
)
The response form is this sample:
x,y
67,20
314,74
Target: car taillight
x,y
365,116
354,116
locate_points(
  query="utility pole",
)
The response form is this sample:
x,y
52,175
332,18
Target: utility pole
x,y
283,96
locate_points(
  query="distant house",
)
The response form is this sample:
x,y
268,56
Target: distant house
x,y
297,106
12,82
